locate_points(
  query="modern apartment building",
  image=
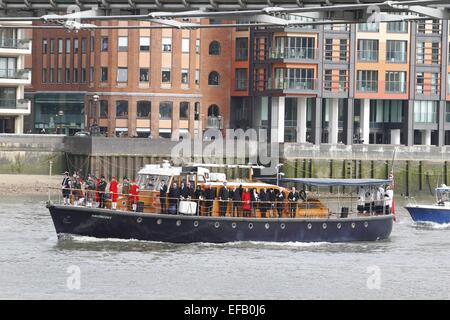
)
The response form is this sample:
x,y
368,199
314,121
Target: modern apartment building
x,y
383,83
14,47
133,82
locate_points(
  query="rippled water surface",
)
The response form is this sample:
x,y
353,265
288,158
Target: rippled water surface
x,y
414,263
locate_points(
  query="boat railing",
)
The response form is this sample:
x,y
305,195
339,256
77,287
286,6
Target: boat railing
x,y
411,201
328,207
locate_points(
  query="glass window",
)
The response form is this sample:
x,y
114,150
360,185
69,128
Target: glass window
x,y
241,49
368,50
425,111
75,45
67,75
75,75
197,46
92,44
184,110
214,48
123,44
213,78
165,75
44,46
397,27
67,45
144,44
83,45
367,81
44,75
184,76
104,43
369,27
213,110
396,51
166,44
197,77
395,82
52,45
144,75
103,109
165,110
121,108
104,74
60,45
59,75
83,75
328,49
241,79
185,45
143,109
122,74
91,74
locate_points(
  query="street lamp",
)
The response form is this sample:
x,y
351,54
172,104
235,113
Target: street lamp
x,y
94,127
60,114
219,119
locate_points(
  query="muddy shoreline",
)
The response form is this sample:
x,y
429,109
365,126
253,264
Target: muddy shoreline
x,y
32,185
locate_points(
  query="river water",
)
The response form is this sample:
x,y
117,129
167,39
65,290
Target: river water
x,y
413,264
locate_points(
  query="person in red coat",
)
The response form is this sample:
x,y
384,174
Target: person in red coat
x,y
113,190
134,195
246,203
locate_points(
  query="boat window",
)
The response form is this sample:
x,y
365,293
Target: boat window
x,y
150,182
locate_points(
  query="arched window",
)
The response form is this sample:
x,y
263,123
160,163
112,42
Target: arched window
x,y
213,78
214,48
213,110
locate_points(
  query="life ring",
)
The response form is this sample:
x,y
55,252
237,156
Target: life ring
x,y
302,194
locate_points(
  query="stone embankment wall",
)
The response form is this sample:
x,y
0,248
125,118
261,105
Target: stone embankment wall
x,y
417,169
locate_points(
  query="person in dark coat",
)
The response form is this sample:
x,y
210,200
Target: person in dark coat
x,y
209,200
280,197
237,203
293,197
163,196
224,196
66,184
272,198
174,195
264,206
197,197
102,191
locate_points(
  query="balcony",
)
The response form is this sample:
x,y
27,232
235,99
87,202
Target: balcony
x,y
367,86
13,106
367,55
293,53
14,47
396,57
213,122
395,87
305,85
15,76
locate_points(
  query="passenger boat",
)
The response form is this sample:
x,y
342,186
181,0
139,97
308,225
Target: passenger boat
x,y
312,220
439,212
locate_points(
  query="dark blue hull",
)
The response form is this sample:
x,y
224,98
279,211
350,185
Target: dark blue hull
x,y
429,214
104,223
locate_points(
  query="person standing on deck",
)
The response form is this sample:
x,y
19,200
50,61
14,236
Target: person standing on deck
x,y
224,196
293,197
246,205
236,203
361,199
163,196
264,206
102,191
209,200
125,186
389,195
272,198
280,197
254,198
66,184
379,200
114,192
90,194
198,196
134,195
174,197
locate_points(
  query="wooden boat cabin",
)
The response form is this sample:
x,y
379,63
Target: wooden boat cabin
x,y
151,176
